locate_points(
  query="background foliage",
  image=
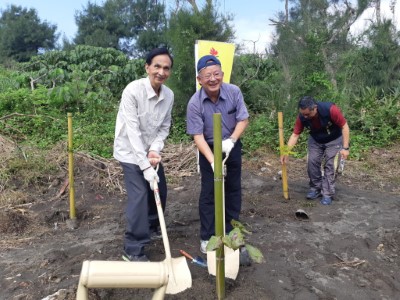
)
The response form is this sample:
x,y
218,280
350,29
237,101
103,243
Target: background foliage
x,y
22,34
312,54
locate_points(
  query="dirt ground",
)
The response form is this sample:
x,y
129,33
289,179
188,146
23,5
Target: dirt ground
x,y
349,250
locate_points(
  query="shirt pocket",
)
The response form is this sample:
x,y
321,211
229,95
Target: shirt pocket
x,y
230,118
151,121
145,121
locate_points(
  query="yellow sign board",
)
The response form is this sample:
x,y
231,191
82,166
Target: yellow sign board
x,y
223,51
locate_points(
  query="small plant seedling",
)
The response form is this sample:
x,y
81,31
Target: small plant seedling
x,y
234,240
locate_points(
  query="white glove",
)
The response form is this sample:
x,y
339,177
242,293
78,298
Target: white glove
x,y
212,166
227,146
150,175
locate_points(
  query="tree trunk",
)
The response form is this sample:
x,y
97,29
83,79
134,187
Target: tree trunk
x,y
392,6
378,11
329,69
286,11
194,5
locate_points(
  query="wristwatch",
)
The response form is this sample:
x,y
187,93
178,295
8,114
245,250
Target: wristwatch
x,y
347,148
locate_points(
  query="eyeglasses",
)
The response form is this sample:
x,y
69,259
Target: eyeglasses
x,y
217,75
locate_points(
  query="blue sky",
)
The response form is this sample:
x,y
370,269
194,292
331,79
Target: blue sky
x,y
251,17
251,22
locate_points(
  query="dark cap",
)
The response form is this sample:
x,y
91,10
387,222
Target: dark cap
x,y
158,51
206,61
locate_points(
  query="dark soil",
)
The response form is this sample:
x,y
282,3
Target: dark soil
x,y
349,250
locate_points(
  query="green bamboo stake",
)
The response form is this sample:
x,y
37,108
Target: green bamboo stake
x,y
219,218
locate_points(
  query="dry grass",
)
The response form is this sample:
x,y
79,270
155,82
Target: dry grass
x,y
178,160
22,170
25,169
349,263
12,198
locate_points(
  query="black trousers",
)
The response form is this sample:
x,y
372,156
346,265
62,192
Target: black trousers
x,y
233,192
141,209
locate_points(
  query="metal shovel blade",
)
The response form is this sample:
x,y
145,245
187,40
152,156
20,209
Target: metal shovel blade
x,y
179,276
232,261
199,261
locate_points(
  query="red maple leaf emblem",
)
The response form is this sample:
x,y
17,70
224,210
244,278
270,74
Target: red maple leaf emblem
x,y
213,52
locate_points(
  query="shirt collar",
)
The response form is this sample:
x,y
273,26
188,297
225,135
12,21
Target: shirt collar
x,y
222,93
151,94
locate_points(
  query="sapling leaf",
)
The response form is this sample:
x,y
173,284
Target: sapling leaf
x,y
286,150
255,254
214,243
236,238
240,226
227,241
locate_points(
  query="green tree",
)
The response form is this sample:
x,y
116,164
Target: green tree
x,y
260,79
23,34
96,28
311,38
134,27
148,24
185,27
84,78
376,63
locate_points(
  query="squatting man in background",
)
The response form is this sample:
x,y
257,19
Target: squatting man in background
x,y
329,137
142,125
215,96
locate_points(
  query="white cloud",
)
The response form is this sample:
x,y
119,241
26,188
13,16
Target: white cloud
x,y
254,35
369,16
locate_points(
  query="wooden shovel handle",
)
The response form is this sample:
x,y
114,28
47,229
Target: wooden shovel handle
x,y
184,253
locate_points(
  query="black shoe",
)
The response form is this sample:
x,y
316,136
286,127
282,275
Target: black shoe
x,y
142,257
155,233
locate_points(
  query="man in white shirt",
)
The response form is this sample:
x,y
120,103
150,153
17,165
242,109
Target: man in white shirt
x,y
143,123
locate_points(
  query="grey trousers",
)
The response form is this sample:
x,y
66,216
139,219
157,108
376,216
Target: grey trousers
x,y
141,210
322,157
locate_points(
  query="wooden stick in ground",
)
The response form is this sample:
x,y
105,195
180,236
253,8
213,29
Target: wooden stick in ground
x,y
284,170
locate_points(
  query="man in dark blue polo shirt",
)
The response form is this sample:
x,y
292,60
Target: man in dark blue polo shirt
x,y
215,96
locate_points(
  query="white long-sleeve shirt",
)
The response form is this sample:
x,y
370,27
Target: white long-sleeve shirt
x,y
143,122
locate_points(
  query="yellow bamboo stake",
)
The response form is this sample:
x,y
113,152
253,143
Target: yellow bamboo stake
x,y
281,147
72,212
219,218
